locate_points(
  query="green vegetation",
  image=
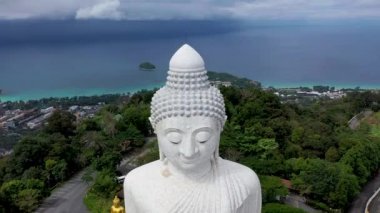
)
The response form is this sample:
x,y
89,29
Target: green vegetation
x,y
116,130
272,188
151,155
97,204
235,81
280,208
24,195
374,124
62,148
147,66
99,197
310,145
7,141
64,102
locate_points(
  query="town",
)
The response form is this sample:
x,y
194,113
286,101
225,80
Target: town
x,y
33,118
30,119
17,122
300,94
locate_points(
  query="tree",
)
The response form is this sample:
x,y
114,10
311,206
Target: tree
x,y
363,158
108,123
94,143
332,154
333,183
108,160
105,184
61,122
28,200
22,194
132,135
56,170
280,208
272,189
268,145
297,135
29,152
138,116
88,175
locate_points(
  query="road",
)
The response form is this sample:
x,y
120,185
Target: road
x,y
359,204
127,163
67,198
354,122
374,207
299,202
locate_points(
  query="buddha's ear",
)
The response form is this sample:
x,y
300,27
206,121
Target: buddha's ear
x,y
151,123
162,155
223,123
216,155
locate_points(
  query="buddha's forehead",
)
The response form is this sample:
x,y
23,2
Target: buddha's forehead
x,y
188,123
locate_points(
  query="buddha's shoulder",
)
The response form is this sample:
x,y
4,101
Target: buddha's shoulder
x,y
245,174
141,173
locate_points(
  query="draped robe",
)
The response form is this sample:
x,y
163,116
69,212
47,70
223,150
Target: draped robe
x,y
227,188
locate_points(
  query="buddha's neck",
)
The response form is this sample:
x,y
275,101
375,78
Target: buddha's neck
x,y
193,174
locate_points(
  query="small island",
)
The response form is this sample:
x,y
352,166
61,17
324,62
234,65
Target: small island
x,y
147,66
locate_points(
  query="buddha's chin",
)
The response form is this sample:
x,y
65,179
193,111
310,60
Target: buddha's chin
x,y
190,168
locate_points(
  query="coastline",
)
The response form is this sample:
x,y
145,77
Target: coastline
x,y
36,95
279,85
72,92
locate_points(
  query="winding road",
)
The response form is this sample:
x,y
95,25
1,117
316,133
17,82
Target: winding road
x,y
67,198
374,207
359,204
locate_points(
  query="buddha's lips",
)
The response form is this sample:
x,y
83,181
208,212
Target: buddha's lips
x,y
190,160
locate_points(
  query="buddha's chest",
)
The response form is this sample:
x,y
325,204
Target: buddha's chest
x,y
169,195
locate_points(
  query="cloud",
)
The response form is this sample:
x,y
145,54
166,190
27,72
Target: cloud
x,y
189,9
305,9
46,9
200,9
108,9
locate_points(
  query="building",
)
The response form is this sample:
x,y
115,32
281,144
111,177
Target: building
x,y
221,83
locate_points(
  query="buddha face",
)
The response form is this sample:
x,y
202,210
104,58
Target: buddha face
x,y
188,143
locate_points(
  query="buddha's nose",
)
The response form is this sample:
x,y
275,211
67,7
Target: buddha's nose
x,y
189,148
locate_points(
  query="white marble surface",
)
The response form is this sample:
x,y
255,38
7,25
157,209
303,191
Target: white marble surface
x,y
188,116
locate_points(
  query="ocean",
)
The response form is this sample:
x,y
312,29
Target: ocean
x,y
73,58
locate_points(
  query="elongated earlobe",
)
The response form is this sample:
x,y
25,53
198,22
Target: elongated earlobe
x,y
162,156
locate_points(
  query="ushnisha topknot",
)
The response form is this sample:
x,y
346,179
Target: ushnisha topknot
x,y
187,91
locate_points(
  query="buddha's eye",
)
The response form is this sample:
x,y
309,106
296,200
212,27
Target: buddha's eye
x,y
202,136
174,137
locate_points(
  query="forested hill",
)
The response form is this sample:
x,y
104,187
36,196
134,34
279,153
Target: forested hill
x,y
235,81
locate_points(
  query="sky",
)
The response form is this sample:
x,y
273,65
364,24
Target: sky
x,y
190,9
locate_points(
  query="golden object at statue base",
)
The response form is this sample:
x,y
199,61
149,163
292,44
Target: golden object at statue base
x,y
116,207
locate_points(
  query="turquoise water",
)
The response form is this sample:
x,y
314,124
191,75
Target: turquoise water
x,y
35,95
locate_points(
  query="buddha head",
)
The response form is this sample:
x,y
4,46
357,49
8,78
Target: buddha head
x,y
188,114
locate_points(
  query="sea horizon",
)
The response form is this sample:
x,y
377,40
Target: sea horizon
x,y
41,59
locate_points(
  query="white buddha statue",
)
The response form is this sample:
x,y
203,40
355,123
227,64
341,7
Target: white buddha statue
x,y
188,115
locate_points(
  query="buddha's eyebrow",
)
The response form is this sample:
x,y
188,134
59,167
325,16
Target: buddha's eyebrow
x,y
205,128
173,130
